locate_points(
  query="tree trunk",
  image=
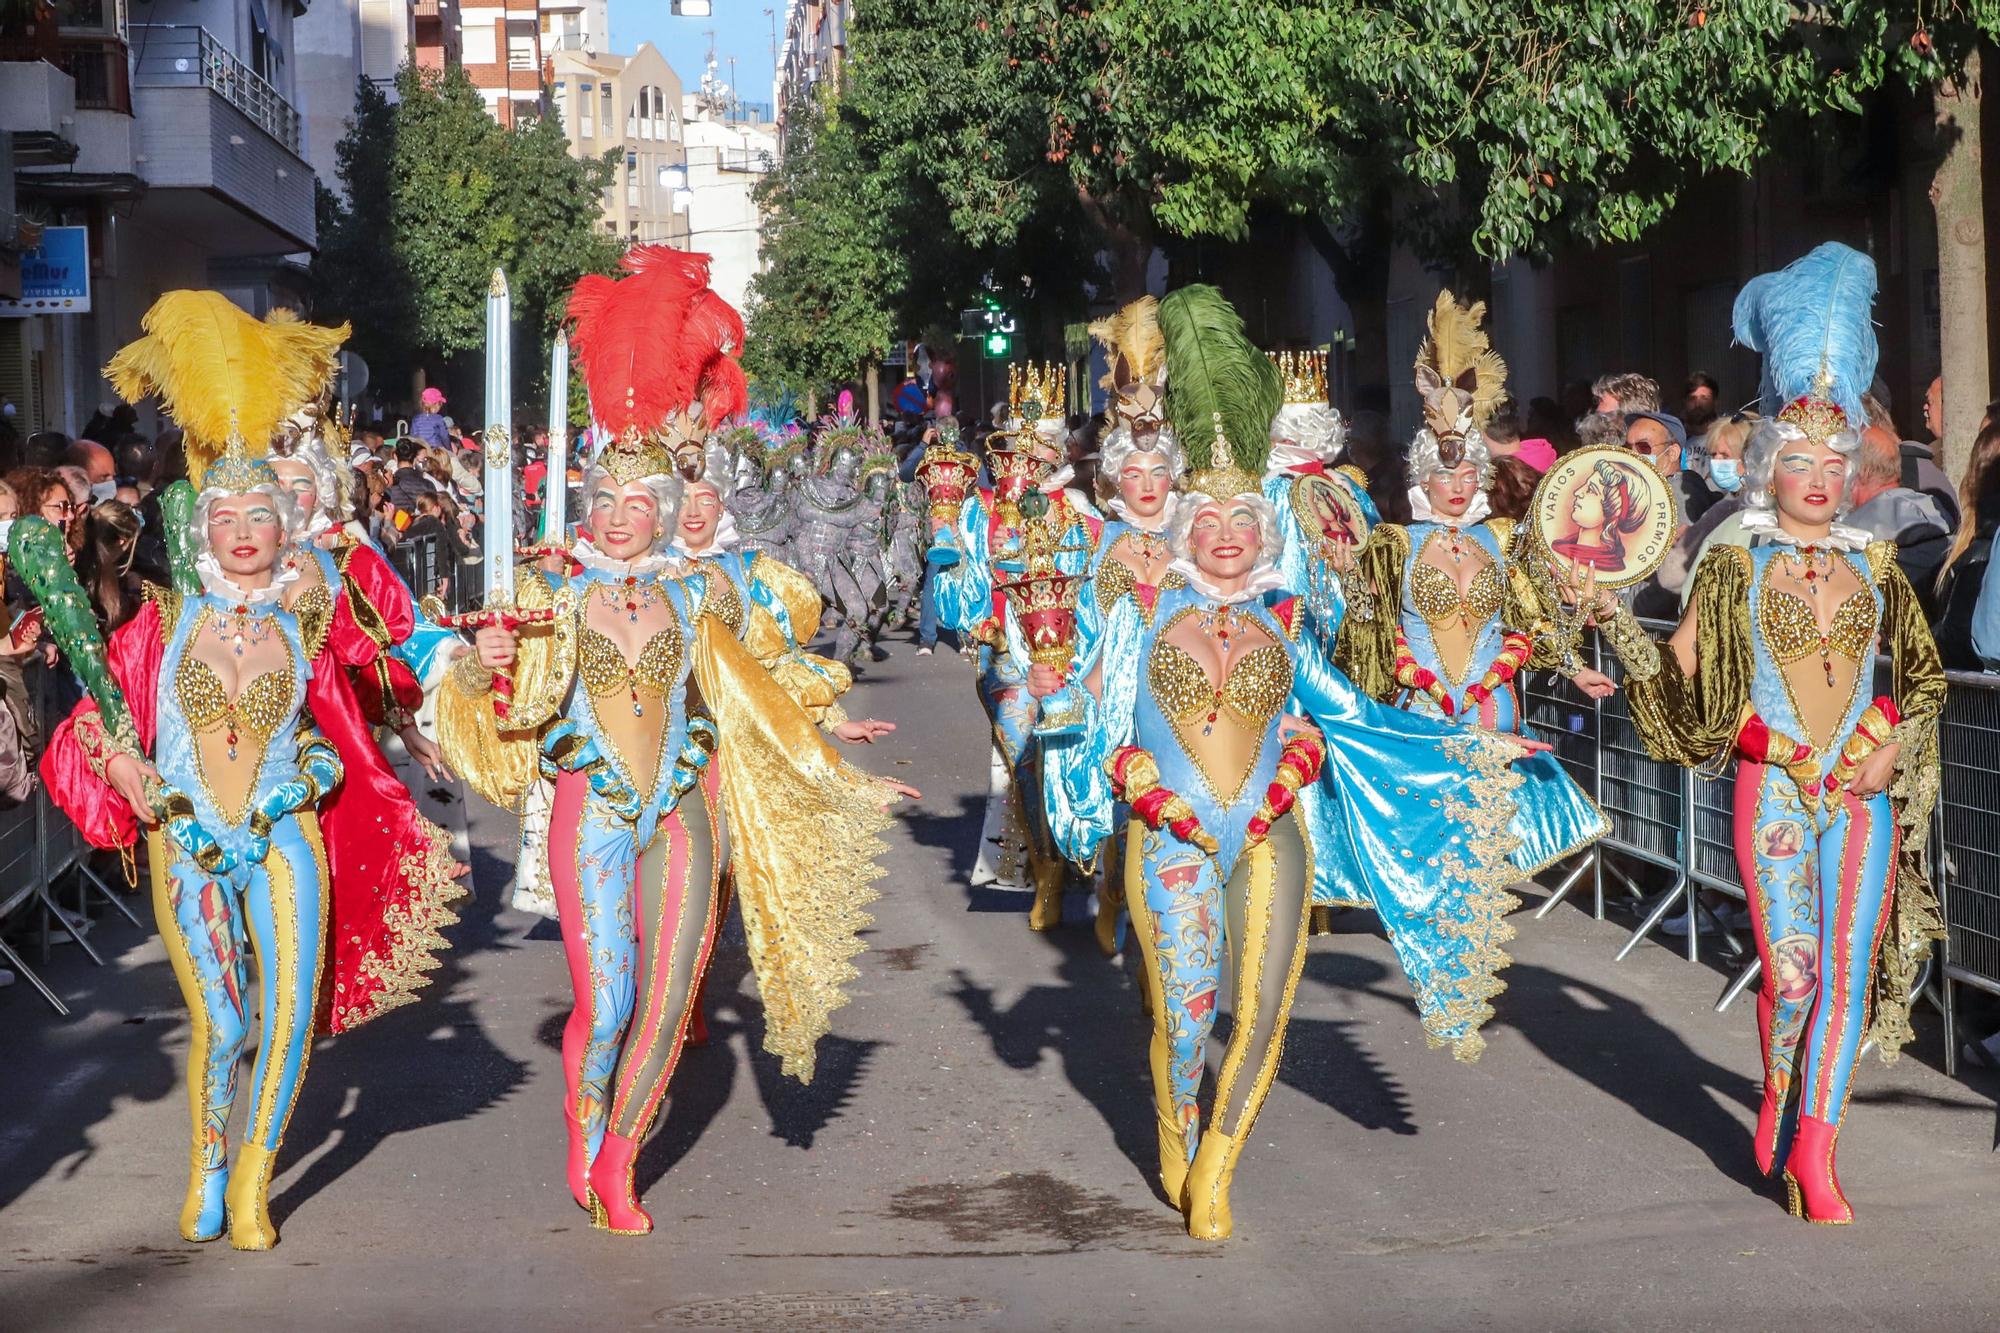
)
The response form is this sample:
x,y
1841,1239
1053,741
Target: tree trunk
x,y
1956,193
1130,244
1359,260
874,393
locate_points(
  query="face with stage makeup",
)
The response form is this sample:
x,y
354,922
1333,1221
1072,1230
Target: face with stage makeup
x,y
1451,491
628,521
297,476
701,515
1808,482
1227,539
1145,483
245,532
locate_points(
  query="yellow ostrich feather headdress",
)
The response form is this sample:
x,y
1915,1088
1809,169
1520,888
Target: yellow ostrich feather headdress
x,y
228,379
1137,352
1459,376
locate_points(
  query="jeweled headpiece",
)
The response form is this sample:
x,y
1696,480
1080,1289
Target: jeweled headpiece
x,y
1036,392
1304,374
658,350
1811,322
1137,352
1460,378
1221,392
227,378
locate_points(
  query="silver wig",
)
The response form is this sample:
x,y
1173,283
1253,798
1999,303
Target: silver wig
x,y
1120,443
291,519
1180,532
1426,461
666,491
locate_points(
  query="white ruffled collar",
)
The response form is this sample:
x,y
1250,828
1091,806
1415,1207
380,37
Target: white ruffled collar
x,y
1262,579
219,585
1286,456
1156,524
1475,513
1840,537
725,539
587,555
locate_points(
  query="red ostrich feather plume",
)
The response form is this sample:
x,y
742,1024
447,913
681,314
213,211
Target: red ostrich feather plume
x,y
656,341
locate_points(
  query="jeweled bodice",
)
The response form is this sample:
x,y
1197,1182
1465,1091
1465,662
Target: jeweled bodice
x,y
1454,636
1784,631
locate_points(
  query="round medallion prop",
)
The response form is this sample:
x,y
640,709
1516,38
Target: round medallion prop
x,y
1605,512
1328,512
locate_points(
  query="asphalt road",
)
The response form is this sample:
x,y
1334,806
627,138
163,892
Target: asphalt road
x,y
977,1149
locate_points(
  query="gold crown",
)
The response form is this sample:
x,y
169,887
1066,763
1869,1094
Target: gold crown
x,y
1038,392
1304,374
235,472
1816,418
635,458
1223,483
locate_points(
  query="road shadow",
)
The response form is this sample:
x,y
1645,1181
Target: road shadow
x,y
62,1085
1609,1041
427,1063
956,833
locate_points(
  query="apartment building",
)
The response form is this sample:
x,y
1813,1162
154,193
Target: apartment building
x,y
629,106
500,45
171,134
731,145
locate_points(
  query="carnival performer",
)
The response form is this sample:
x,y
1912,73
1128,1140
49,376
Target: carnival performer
x,y
1322,537
1207,718
1452,618
1773,666
837,535
671,749
197,727
990,531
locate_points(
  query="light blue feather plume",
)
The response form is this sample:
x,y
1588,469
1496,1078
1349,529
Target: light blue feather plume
x,y
1811,320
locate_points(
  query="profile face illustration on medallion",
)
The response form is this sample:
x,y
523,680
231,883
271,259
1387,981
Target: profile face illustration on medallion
x,y
1605,514
1328,512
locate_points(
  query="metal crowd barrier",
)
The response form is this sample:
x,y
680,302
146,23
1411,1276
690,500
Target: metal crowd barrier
x,y
1680,824
39,847
424,563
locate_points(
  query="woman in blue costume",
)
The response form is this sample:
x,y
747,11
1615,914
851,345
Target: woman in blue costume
x,y
968,601
1454,619
1317,503
671,749
1774,668
1207,719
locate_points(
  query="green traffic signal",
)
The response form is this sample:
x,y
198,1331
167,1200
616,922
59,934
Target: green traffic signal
x,y
997,344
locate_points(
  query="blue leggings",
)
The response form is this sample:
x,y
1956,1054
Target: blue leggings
x,y
210,924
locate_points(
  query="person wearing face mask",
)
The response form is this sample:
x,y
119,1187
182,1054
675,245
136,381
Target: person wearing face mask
x,y
1208,715
1774,667
100,469
1722,522
671,749
1456,619
202,728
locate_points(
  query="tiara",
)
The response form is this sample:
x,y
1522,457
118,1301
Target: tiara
x,y
1038,392
635,459
1304,374
1816,418
235,472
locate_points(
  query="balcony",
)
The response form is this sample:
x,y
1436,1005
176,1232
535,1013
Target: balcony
x,y
757,160
175,55
219,145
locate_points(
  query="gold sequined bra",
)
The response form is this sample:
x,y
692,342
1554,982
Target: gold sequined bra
x,y
1434,593
1792,631
1115,578
262,707
605,669
1259,683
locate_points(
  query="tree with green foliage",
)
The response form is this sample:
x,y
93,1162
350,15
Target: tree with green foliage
x,y
434,195
820,309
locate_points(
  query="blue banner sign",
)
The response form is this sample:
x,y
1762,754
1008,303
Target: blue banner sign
x,y
55,276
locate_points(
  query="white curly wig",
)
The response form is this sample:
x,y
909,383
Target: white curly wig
x,y
666,492
1425,461
1180,533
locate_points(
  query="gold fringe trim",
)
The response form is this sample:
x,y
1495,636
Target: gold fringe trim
x,y
1460,1005
415,934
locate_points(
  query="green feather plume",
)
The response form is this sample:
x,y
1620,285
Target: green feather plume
x,y
1213,367
177,515
37,553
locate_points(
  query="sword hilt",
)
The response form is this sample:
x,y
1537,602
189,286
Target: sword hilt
x,y
505,617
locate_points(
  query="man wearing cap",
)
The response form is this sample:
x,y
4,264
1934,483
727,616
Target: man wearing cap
x,y
429,425
1661,439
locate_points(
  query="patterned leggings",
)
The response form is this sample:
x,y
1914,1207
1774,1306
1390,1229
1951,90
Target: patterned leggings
x,y
638,924
1186,917
1818,888
209,924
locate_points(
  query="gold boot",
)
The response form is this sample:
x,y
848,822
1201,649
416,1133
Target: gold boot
x,y
1046,914
1173,1159
249,1209
1208,1186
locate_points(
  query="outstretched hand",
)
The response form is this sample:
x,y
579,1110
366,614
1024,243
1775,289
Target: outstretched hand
x,y
902,789
862,730
1595,684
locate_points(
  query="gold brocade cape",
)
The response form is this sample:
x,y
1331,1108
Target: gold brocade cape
x,y
1695,720
804,825
815,683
